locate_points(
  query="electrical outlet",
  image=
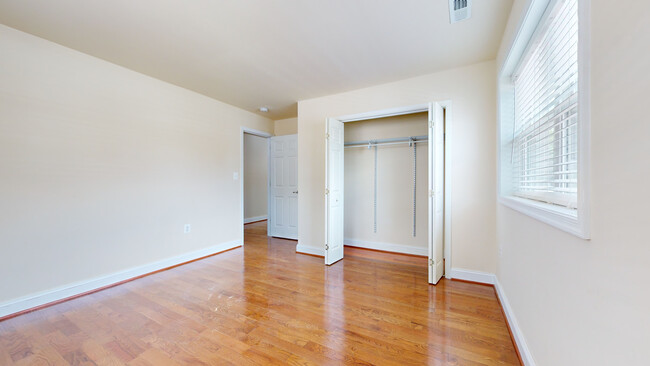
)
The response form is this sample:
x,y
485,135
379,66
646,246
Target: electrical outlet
x,y
187,229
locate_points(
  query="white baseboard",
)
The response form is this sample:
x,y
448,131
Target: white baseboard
x,y
517,334
63,292
310,250
255,218
491,279
471,275
387,247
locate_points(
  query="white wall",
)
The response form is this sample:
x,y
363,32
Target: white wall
x,y
473,174
256,164
100,167
287,126
585,302
394,185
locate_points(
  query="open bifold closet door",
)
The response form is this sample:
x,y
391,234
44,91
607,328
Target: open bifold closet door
x,y
334,191
436,192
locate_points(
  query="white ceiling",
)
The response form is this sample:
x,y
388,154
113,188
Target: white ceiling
x,y
252,53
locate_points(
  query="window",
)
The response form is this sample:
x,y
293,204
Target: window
x,y
543,117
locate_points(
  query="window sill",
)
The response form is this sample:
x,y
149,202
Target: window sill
x,y
560,217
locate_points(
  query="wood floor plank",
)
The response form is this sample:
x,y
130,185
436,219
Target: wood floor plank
x,y
5,359
99,354
266,304
43,355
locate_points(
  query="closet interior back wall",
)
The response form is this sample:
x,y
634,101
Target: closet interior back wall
x,y
394,186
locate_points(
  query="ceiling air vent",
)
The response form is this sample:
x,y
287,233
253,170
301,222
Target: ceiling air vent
x,y
459,10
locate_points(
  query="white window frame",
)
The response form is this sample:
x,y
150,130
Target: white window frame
x,y
577,221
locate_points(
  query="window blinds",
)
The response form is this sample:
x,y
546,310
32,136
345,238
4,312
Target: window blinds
x,y
544,151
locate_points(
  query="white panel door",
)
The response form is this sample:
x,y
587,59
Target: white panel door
x,y
334,192
283,200
436,192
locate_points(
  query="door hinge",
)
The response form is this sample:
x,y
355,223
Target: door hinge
x,y
431,262
431,124
327,247
327,136
432,193
327,191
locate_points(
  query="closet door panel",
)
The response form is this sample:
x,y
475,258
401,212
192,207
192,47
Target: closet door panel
x,y
334,192
437,194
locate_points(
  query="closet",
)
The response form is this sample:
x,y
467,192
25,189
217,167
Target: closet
x,y
386,184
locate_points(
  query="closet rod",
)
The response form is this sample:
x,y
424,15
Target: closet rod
x,y
390,141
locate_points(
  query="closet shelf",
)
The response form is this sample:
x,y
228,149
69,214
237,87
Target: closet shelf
x,y
390,141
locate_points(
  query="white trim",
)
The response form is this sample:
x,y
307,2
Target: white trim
x,y
540,11
517,334
491,279
251,131
584,118
534,11
447,106
387,247
473,276
310,250
557,216
63,292
547,213
390,112
255,218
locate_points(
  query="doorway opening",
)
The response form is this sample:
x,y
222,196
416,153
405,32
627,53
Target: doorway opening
x,y
386,193
385,184
269,182
254,180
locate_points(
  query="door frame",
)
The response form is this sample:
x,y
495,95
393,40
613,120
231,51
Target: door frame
x,y
266,135
447,106
418,108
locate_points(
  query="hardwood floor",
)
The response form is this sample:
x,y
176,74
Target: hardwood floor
x,y
265,304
